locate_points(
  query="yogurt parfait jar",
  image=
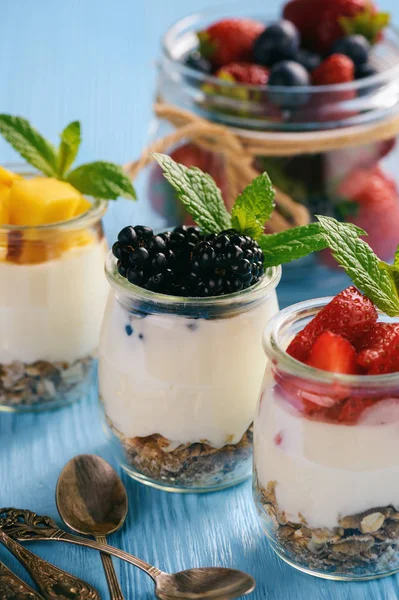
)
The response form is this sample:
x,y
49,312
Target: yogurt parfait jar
x,y
179,379
326,482
329,149
52,292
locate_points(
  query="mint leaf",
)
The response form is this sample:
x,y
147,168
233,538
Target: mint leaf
x,y
291,244
253,207
28,142
70,142
198,192
102,180
360,263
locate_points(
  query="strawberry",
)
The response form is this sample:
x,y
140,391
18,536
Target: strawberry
x,y
242,72
332,352
229,40
323,22
379,349
351,409
349,314
377,210
337,68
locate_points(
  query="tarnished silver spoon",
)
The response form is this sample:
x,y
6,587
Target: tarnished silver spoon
x,y
194,584
91,500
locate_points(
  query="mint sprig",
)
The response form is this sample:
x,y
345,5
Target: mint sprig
x,y
99,179
361,264
292,244
198,192
102,180
30,144
68,150
254,207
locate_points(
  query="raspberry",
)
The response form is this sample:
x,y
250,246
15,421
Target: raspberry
x,y
242,72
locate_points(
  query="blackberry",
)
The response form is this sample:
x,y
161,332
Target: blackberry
x,y
159,263
185,262
225,263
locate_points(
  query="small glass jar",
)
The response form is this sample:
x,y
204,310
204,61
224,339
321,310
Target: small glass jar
x,y
52,297
179,380
331,149
326,465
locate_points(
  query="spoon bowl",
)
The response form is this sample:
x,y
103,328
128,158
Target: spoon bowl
x,y
91,497
92,500
213,583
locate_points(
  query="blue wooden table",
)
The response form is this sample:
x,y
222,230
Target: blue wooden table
x,y
94,60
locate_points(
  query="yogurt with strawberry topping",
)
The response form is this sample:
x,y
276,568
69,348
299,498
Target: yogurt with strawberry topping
x,y
325,438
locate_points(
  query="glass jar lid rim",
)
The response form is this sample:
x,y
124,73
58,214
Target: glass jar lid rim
x,y
278,354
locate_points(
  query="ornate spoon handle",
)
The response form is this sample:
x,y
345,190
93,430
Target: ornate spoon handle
x,y
53,583
13,588
113,584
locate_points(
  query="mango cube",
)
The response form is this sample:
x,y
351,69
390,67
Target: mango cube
x,y
7,177
4,203
42,200
83,206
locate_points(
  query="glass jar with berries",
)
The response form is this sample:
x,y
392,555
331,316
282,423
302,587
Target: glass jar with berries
x,y
53,290
311,98
325,433
181,360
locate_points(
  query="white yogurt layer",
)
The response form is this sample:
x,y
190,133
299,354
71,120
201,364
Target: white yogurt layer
x,y
325,471
53,310
188,380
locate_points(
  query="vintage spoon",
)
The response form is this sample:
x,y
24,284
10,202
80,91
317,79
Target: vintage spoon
x,y
91,500
13,588
194,584
53,583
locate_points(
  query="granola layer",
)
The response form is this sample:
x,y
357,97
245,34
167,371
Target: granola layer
x,y
363,544
24,386
189,465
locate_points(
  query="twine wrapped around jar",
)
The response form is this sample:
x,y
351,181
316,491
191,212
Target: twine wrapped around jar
x,y
239,149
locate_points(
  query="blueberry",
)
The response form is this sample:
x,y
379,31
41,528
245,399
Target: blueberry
x,y
288,74
365,70
278,42
354,46
309,60
127,236
195,61
155,282
129,330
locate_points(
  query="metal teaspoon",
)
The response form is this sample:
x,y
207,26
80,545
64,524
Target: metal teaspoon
x,y
91,500
53,583
13,588
194,584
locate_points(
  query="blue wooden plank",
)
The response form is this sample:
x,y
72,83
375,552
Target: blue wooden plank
x,y
95,60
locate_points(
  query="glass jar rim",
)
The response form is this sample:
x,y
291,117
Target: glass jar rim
x,y
278,354
387,74
82,221
182,304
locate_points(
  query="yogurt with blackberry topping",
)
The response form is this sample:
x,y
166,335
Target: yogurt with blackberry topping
x,y
179,376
